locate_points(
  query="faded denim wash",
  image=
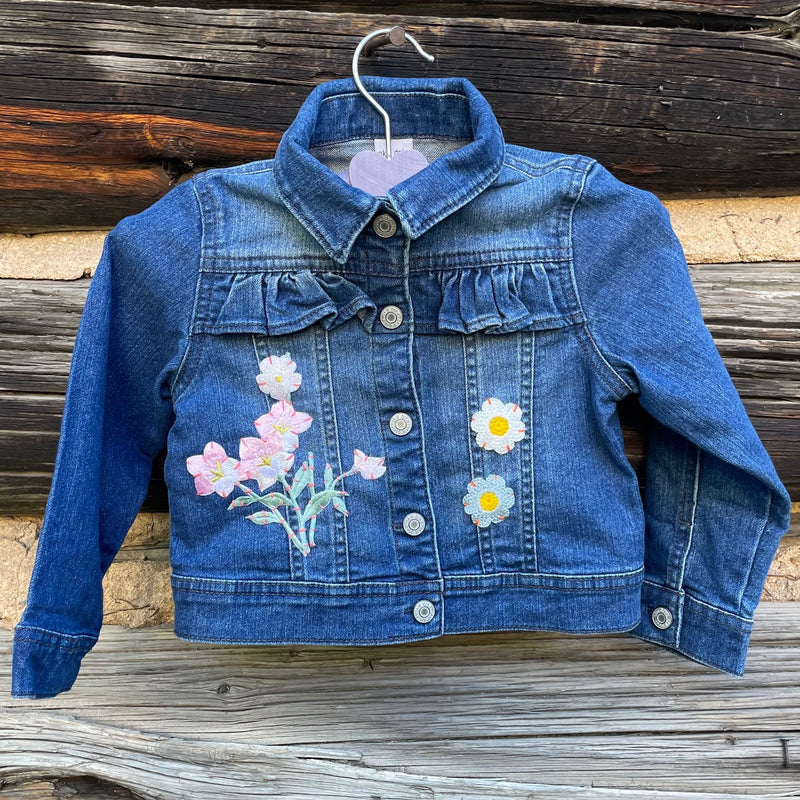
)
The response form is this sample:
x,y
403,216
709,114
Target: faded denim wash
x,y
376,436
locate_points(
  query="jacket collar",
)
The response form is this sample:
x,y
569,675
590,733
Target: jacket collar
x,y
335,212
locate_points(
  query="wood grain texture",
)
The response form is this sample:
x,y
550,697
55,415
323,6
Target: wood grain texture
x,y
103,107
752,310
504,715
723,14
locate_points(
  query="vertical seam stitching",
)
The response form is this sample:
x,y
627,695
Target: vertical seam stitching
x,y
584,178
688,546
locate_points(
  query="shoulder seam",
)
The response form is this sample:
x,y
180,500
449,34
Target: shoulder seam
x,y
590,163
514,162
179,372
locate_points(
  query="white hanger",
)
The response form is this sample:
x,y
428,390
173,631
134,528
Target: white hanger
x,y
374,171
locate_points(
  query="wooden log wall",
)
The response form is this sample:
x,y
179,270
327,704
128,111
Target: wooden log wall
x,y
103,107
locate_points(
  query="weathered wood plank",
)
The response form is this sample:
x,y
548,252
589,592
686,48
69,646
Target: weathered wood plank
x,y
75,788
512,714
550,676
163,767
106,106
678,12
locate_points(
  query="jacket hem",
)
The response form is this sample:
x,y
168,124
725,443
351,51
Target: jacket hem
x,y
364,613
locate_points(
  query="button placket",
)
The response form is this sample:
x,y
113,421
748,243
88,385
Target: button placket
x,y
399,409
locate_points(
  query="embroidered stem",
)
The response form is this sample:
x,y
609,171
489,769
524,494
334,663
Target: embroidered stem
x,y
304,549
311,469
311,527
312,491
301,546
351,471
301,531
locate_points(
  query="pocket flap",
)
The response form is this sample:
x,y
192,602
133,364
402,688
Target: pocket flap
x,y
496,298
279,302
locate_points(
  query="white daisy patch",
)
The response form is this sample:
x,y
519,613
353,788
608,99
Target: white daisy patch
x,y
498,426
488,500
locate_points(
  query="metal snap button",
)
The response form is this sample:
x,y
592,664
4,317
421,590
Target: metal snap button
x,y
391,317
662,618
413,523
400,423
424,611
384,225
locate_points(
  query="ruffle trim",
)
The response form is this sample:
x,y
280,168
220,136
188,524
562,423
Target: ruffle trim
x,y
494,299
282,302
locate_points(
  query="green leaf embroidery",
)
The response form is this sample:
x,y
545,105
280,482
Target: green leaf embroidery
x,y
244,500
328,475
319,501
273,500
301,479
339,505
265,517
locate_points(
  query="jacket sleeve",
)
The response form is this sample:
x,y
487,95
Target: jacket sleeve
x,y
117,413
714,507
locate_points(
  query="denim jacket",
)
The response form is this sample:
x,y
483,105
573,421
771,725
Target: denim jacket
x,y
389,418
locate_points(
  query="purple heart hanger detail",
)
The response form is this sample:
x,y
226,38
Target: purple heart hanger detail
x,y
375,174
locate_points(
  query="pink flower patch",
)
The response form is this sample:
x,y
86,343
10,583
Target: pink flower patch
x,y
287,421
264,459
271,457
215,470
369,467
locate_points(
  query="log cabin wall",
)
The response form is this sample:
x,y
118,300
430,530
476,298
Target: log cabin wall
x,y
105,106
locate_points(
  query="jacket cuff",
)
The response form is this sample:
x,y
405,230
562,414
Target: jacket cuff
x,y
46,663
702,632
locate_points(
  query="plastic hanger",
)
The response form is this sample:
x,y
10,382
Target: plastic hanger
x,y
376,171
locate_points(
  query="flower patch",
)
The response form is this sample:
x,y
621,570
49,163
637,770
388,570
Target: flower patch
x,y
284,420
279,376
498,425
214,471
268,459
488,500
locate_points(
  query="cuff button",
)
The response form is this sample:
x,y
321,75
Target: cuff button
x,y
424,611
662,618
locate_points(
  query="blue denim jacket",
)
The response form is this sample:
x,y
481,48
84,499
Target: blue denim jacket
x,y
393,417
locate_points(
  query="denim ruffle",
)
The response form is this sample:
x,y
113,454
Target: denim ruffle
x,y
497,298
282,302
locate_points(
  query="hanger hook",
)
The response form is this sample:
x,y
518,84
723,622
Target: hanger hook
x,y
395,35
